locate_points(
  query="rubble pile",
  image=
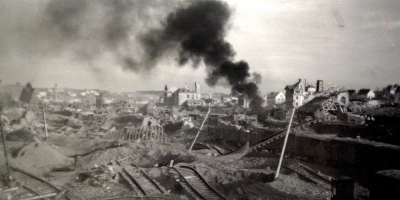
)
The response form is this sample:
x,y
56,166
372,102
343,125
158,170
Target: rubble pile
x,y
115,151
39,157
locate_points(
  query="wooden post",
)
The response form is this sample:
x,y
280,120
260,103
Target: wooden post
x,y
197,135
161,135
137,134
8,178
45,124
284,144
152,134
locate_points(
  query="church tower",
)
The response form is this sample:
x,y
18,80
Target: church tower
x,y
196,87
166,95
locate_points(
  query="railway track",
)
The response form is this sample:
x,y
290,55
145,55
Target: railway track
x,y
141,183
31,187
195,184
278,135
310,175
74,193
319,175
219,150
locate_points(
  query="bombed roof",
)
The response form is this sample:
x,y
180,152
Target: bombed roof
x,y
313,105
364,91
273,95
291,87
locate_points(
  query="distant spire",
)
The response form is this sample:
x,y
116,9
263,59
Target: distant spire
x,y
196,87
28,85
166,87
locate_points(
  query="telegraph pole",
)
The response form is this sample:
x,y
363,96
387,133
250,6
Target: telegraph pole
x,y
201,127
284,145
8,175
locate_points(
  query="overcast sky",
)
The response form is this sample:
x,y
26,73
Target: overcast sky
x,y
354,44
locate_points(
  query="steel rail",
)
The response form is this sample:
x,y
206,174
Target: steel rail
x,y
278,135
300,174
128,173
195,187
36,178
152,181
315,179
33,184
323,177
134,181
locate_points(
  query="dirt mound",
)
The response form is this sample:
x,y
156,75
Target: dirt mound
x,y
20,135
14,113
140,154
78,146
56,119
38,157
172,127
134,119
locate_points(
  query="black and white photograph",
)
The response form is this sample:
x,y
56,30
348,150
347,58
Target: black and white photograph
x,y
199,99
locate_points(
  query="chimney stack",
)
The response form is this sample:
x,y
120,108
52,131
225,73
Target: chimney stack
x,y
320,85
196,87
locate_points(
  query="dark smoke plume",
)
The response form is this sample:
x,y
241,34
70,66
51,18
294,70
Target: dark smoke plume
x,y
256,78
256,103
88,29
237,75
250,89
195,31
234,73
198,31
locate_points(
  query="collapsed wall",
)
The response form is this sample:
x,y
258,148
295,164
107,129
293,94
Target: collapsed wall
x,y
234,134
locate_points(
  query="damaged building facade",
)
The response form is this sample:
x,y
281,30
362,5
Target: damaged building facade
x,y
298,94
274,98
180,96
115,152
295,94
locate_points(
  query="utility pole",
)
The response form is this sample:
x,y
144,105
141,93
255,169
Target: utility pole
x,y
8,176
284,145
197,135
44,121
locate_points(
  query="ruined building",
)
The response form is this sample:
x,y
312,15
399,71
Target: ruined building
x,y
320,85
26,93
274,98
299,94
243,101
99,101
295,94
179,96
392,94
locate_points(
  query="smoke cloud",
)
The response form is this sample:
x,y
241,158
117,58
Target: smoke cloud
x,y
135,34
198,32
234,73
66,16
89,29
